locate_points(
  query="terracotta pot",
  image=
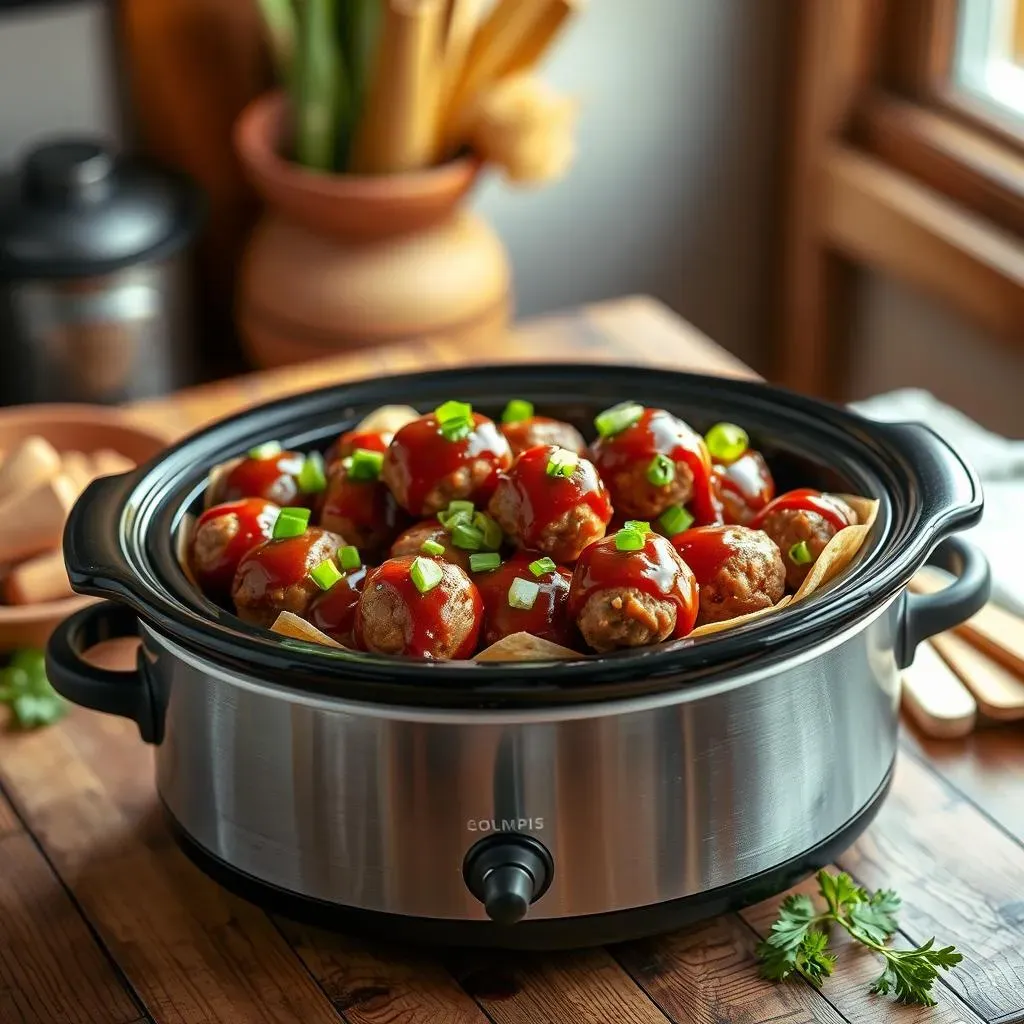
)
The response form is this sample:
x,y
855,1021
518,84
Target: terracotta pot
x,y
342,261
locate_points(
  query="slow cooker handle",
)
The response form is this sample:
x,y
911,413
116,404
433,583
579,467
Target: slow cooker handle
x,y
928,614
128,694
92,548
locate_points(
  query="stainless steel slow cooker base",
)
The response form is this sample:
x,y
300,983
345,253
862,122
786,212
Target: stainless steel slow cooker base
x,y
638,802
531,934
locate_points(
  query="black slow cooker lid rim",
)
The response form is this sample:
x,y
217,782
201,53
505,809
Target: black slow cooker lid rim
x,y
593,678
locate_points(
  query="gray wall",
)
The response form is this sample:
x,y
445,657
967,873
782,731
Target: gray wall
x,y
673,191
55,74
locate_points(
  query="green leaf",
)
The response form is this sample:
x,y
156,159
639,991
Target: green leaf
x,y
795,916
813,960
839,891
32,710
31,661
910,974
876,919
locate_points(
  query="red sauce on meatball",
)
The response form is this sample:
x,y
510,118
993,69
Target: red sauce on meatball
x,y
536,508
446,618
334,611
658,432
744,486
223,535
655,570
274,478
362,511
347,443
425,470
548,618
705,548
805,499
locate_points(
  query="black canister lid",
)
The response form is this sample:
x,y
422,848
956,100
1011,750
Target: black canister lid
x,y
76,209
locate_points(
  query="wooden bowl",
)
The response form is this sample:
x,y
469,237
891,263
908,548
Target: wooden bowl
x,y
84,428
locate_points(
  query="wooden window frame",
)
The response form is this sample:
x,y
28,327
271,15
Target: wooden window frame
x,y
891,169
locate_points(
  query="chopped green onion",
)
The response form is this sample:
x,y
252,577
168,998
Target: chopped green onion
x,y
629,540
516,410
467,537
562,462
455,420
726,441
491,531
312,478
484,561
456,430
326,574
637,526
616,419
801,553
675,519
542,565
431,547
453,411
522,594
364,464
661,471
349,558
457,512
291,522
425,573
267,450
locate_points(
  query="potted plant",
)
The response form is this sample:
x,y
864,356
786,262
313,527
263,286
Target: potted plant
x,y
387,112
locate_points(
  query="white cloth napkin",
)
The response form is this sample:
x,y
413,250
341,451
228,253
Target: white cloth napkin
x,y
1000,464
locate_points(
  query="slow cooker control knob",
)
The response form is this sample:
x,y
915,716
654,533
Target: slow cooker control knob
x,y
507,873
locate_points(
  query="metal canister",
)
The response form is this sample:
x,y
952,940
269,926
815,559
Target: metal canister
x,y
94,290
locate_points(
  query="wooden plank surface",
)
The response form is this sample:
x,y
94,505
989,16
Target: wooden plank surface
x,y
90,878
708,975
51,968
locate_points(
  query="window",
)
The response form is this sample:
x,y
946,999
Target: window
x,y
989,59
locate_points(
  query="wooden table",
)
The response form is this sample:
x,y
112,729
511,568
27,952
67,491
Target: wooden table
x,y
103,920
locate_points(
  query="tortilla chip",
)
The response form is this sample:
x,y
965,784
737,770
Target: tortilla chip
x,y
289,624
214,476
739,620
841,549
526,647
388,419
182,539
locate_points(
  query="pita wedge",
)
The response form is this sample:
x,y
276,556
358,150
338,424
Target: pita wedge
x,y
526,647
289,624
182,539
214,477
739,620
388,419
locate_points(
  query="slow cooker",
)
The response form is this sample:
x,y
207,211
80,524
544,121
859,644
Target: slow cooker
x,y
529,804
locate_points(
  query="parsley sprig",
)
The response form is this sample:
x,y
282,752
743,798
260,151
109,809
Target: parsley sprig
x,y
24,686
798,942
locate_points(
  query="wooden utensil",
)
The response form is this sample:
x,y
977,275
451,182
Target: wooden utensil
x,y
999,633
998,691
935,698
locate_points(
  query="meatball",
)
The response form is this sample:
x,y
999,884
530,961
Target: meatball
x,y
743,487
632,589
535,430
347,443
274,576
362,511
738,570
548,615
431,462
333,611
552,501
801,523
419,606
221,537
273,476
411,543
653,462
